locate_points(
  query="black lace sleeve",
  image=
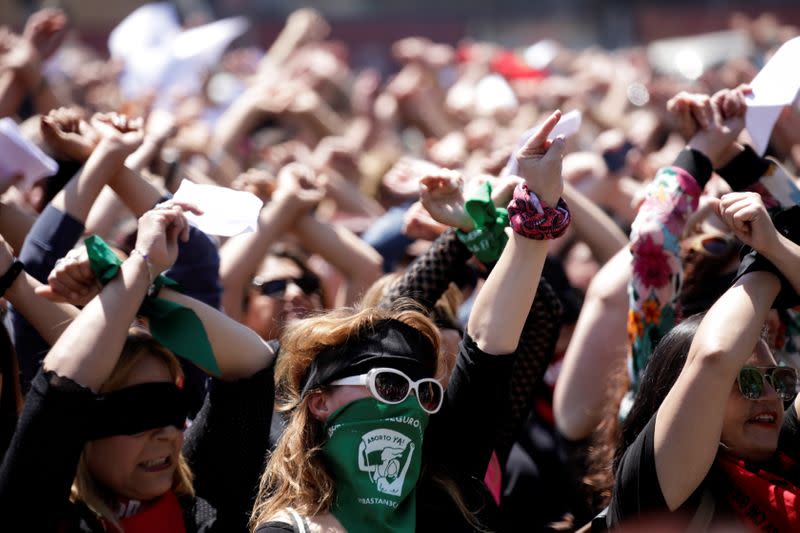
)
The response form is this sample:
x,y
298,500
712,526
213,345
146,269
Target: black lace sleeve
x,y
426,279
537,345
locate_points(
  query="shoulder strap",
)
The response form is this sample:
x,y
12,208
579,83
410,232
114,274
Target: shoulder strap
x,y
299,522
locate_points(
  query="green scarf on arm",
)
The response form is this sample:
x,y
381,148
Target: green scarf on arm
x,y
176,327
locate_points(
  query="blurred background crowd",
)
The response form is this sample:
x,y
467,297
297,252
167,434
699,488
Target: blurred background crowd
x,y
369,98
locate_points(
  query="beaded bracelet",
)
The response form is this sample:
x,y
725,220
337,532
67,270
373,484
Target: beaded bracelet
x,y
533,218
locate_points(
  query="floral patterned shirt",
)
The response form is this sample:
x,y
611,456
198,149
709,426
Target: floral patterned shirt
x,y
655,246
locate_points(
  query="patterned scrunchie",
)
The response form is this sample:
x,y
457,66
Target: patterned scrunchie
x,y
534,219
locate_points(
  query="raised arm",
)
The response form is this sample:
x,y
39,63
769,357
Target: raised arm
x,y
656,232
502,305
238,351
689,422
66,131
240,257
89,348
49,319
596,352
359,262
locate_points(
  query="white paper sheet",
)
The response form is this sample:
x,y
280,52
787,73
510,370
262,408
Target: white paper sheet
x,y
568,125
775,87
158,56
19,156
225,212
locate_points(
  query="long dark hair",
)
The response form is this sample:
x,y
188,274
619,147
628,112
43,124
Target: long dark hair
x,y
660,374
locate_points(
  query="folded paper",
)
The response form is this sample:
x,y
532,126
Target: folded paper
x,y
775,87
159,56
225,212
20,157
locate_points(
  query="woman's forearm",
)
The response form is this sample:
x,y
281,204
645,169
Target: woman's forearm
x,y
689,421
89,348
137,193
595,353
502,304
240,256
15,225
786,257
77,198
361,264
238,350
48,318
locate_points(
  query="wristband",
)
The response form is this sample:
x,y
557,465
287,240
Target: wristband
x,y
487,240
534,219
7,279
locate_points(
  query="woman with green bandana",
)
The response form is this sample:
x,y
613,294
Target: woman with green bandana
x,y
373,442
102,443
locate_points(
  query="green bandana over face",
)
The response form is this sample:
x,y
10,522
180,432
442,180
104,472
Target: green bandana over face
x,y
374,451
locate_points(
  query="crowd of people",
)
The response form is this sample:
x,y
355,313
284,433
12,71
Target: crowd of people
x,y
448,316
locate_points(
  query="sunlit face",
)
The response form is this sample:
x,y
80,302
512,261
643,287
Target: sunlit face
x,y
268,315
142,466
750,428
337,397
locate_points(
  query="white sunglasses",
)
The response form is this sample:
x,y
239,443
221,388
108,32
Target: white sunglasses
x,y
392,386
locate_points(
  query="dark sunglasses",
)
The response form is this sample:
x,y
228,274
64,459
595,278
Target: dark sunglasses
x,y
782,378
713,245
277,287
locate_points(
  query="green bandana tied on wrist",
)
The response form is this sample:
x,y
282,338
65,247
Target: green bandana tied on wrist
x,y
374,452
488,238
176,327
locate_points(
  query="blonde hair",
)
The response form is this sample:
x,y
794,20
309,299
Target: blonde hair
x,y
296,475
99,499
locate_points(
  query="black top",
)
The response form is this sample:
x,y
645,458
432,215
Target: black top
x,y
637,491
458,441
225,448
